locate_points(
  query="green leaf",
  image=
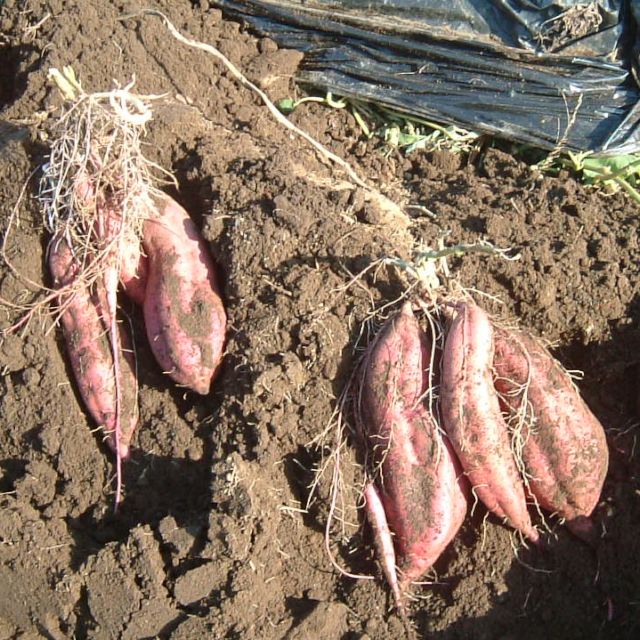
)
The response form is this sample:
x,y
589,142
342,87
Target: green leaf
x,y
286,105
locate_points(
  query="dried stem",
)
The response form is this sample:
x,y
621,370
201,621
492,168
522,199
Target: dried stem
x,y
385,203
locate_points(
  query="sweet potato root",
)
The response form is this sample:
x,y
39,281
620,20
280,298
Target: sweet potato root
x,y
132,262
473,420
183,312
416,476
86,324
383,539
565,450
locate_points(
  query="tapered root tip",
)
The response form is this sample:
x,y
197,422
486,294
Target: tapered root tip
x,y
124,449
533,536
583,528
399,600
202,387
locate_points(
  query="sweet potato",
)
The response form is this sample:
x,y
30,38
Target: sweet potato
x,y
565,450
473,420
416,476
107,230
134,274
183,312
383,539
86,324
127,259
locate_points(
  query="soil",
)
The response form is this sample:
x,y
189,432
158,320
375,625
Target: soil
x,y
213,538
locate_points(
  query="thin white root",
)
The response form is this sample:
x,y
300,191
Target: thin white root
x,y
522,425
384,203
333,461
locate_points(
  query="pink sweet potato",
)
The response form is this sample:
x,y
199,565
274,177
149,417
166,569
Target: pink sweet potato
x,y
565,450
125,258
472,418
86,324
183,312
421,496
383,539
134,274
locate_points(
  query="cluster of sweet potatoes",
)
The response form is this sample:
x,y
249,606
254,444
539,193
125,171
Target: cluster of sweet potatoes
x,y
169,273
487,415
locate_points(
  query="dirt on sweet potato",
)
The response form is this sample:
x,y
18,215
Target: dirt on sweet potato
x,y
563,445
422,493
212,525
183,312
473,420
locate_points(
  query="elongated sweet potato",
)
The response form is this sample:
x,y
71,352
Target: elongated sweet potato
x,y
416,477
183,312
472,418
86,321
565,450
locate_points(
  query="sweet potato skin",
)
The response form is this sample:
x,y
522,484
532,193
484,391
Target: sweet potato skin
x,y
125,250
473,420
565,451
417,478
85,322
134,274
183,311
383,539
133,270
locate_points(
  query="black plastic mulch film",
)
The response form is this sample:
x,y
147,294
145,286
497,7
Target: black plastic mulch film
x,y
533,71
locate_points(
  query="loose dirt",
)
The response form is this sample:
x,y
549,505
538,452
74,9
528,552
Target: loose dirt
x,y
212,539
